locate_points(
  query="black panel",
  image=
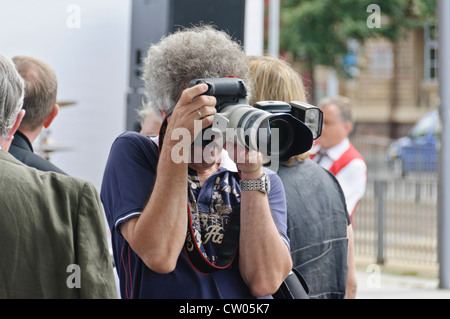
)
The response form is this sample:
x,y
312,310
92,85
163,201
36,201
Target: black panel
x,y
153,19
227,15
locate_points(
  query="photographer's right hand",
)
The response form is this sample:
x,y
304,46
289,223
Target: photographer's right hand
x,y
158,234
192,106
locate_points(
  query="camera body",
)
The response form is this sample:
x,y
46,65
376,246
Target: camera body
x,y
269,128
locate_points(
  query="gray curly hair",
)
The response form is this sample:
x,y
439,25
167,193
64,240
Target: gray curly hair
x,y
11,95
197,52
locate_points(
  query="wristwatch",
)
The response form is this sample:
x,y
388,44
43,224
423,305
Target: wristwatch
x,y
262,184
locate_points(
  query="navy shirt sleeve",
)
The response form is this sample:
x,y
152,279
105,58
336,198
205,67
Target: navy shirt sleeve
x,y
127,184
277,202
129,177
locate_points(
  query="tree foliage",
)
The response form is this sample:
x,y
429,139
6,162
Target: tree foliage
x,y
317,31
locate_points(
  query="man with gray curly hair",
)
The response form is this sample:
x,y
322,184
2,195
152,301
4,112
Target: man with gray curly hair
x,y
52,230
170,65
151,199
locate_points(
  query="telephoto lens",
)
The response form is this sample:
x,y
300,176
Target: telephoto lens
x,y
276,134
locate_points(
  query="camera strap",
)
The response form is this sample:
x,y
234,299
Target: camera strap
x,y
227,251
230,241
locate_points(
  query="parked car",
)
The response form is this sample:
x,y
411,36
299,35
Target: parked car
x,y
418,151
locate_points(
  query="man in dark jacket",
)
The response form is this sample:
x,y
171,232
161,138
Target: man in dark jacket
x,y
41,108
52,229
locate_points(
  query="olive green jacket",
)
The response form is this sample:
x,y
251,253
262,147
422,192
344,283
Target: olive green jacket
x,y
52,236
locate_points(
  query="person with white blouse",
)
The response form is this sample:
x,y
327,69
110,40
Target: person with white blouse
x,y
334,152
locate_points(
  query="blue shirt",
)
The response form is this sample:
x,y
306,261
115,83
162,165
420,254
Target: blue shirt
x,y
127,183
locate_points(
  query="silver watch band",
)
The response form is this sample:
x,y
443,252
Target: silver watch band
x,y
252,185
262,184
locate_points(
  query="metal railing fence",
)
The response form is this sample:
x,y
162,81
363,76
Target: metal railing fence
x,y
396,220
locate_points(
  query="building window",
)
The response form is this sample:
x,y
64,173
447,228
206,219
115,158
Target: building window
x,y
431,53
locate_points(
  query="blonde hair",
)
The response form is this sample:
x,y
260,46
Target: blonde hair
x,y
275,80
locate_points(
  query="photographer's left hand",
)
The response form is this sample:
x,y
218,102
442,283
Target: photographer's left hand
x,y
249,162
264,258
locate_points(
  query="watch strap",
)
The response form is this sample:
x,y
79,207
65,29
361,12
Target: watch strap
x,y
254,184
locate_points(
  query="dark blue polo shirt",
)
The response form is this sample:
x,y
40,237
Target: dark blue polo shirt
x,y
127,183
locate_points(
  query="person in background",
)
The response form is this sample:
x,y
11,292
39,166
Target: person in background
x,y
335,153
41,109
149,120
152,197
52,230
319,225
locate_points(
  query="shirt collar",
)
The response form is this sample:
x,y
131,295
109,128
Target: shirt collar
x,y
226,163
336,151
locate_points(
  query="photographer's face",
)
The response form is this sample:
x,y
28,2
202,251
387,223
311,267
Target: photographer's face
x,y
208,155
334,129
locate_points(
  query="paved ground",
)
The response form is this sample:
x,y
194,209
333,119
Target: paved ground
x,y
375,284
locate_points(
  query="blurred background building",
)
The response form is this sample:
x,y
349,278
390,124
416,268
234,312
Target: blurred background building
x,y
381,54
395,85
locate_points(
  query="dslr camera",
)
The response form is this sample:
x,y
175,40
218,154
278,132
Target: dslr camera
x,y
277,130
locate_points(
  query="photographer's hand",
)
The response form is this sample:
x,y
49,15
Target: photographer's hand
x,y
264,258
192,106
158,234
249,162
